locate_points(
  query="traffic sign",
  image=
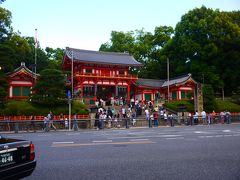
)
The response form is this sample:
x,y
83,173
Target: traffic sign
x,y
69,94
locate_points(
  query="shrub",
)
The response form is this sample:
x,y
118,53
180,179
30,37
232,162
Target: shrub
x,y
175,105
227,105
25,108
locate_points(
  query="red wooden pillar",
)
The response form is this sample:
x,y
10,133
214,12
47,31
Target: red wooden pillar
x,y
128,93
82,90
95,91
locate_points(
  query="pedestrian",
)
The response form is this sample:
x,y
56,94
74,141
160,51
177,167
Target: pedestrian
x,y
213,117
75,123
195,118
101,122
147,114
127,119
50,117
46,124
190,117
33,123
209,118
203,114
222,117
61,121
165,116
66,123
170,117
96,123
228,117
133,115
155,118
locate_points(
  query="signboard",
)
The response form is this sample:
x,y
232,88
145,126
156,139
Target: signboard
x,y
69,94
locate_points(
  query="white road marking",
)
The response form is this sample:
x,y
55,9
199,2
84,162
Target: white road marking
x,y
226,131
106,141
44,135
68,142
201,132
72,134
157,136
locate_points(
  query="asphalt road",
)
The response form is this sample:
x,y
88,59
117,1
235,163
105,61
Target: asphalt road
x,y
198,152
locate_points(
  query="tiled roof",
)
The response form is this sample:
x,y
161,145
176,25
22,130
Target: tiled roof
x,y
177,80
100,57
154,83
24,68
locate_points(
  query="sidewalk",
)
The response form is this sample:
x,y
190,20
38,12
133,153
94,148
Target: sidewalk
x,y
121,128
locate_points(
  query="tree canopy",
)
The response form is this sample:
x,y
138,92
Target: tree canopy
x,y
205,43
15,49
50,88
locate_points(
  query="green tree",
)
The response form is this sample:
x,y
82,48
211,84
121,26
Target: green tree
x,y
144,46
5,24
3,88
6,51
209,101
49,89
55,57
206,43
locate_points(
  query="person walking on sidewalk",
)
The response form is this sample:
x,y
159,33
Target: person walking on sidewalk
x,y
75,123
46,124
155,118
50,117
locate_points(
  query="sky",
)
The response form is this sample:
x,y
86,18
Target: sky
x,y
86,24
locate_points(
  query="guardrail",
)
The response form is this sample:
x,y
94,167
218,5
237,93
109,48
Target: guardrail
x,y
56,117
38,125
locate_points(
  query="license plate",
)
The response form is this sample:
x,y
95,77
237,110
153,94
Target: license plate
x,y
6,158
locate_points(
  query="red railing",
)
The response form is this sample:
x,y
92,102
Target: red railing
x,y
106,75
56,117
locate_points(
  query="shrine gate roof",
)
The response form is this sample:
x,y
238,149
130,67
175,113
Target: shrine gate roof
x,y
100,57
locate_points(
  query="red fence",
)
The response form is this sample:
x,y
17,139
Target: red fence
x,y
40,117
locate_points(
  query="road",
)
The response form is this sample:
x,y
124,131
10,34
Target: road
x,y
197,152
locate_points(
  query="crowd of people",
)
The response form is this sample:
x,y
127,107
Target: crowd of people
x,y
128,114
210,118
125,114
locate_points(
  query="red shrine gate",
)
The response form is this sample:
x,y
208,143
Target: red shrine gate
x,y
100,74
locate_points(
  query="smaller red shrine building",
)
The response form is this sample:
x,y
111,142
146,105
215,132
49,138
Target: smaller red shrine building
x,y
21,82
106,74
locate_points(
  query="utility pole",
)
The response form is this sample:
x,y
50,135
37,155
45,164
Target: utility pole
x,y
72,74
168,78
35,59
